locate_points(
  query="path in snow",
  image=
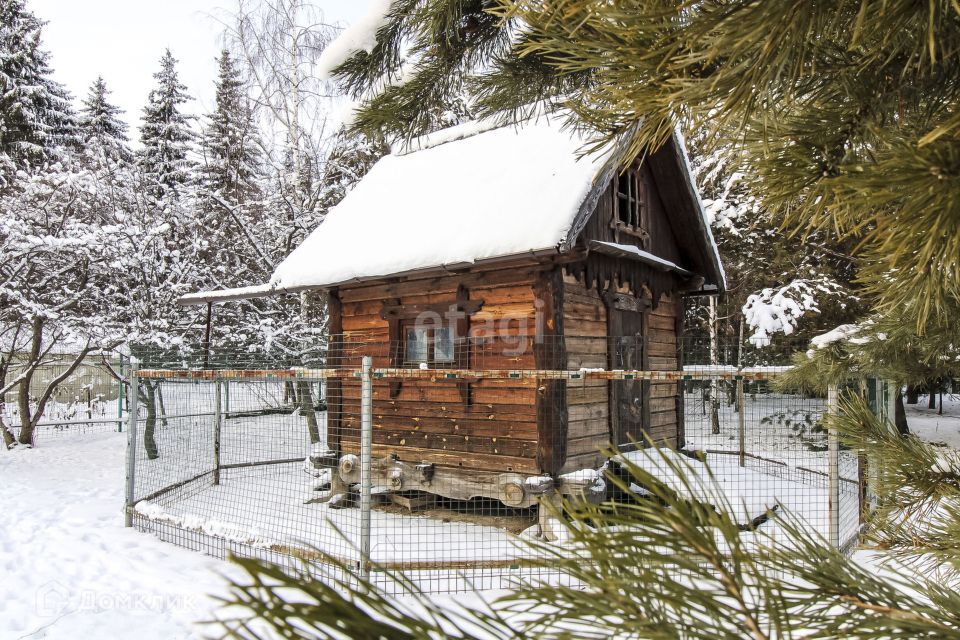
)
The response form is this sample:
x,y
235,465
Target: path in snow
x,y
71,570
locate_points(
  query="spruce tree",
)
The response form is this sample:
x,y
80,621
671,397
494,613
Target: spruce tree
x,y
35,113
101,126
166,134
234,232
230,144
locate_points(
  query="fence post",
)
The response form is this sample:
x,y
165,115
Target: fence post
x,y
366,462
217,423
742,419
131,443
120,396
833,466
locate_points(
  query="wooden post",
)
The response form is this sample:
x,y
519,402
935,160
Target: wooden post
x,y
131,446
742,420
334,359
217,423
120,396
366,462
549,352
206,337
833,467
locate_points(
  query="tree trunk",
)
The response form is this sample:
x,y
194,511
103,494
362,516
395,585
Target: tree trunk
x,y
714,386
149,429
900,415
940,410
307,409
913,394
8,438
932,398
163,409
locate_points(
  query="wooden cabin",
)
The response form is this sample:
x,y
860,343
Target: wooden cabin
x,y
500,248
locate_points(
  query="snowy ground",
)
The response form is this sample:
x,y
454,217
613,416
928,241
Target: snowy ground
x,y
69,568
929,425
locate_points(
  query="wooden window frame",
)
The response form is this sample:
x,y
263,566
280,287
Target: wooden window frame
x,y
431,360
631,207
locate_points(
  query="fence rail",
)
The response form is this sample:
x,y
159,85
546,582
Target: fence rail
x,y
699,373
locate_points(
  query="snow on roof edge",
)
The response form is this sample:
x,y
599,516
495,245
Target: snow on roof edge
x,y
688,166
223,295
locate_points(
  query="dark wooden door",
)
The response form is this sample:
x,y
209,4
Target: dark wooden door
x,y
628,398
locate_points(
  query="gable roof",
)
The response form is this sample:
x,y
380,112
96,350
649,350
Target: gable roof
x,y
453,201
469,194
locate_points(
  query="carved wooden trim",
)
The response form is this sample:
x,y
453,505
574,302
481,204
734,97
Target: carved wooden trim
x,y
627,302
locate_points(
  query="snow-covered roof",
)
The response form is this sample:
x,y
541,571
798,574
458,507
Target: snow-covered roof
x,y
474,193
457,197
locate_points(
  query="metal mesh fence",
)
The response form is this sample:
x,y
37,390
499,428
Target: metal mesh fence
x,y
90,399
439,464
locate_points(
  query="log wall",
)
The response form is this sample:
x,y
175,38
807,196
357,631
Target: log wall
x,y
585,322
663,347
488,425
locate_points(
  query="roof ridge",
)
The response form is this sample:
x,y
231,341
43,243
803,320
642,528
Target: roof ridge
x,y
533,112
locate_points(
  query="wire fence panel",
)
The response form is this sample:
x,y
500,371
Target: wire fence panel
x,y
469,446
90,399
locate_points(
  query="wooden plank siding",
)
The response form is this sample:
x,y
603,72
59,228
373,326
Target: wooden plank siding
x,y
662,344
585,323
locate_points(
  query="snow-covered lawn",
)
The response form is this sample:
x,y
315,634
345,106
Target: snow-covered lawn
x,y
71,570
929,425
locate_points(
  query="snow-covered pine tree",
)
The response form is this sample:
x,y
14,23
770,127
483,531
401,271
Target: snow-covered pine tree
x,y
775,276
36,118
230,143
846,116
101,128
166,132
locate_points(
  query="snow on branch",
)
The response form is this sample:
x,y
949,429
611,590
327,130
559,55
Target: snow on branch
x,y
773,311
360,36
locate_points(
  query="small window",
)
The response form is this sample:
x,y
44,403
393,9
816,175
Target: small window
x,y
430,345
417,339
630,210
443,345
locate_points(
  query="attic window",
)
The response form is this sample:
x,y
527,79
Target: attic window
x,y
630,208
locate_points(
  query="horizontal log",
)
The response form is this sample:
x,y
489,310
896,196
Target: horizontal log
x,y
475,461
591,444
584,328
453,410
449,442
438,285
662,419
581,394
663,404
597,411
583,461
659,363
662,349
665,323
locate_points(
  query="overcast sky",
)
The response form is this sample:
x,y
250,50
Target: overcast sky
x,y
124,39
